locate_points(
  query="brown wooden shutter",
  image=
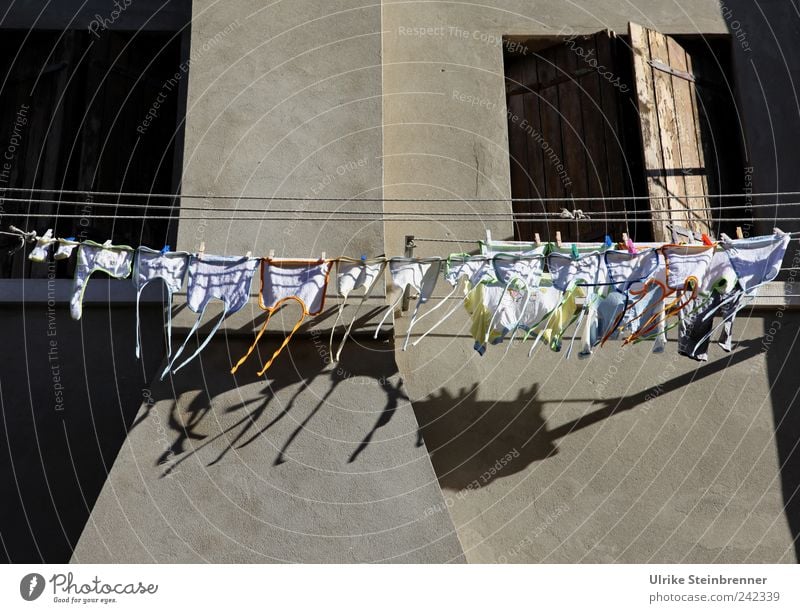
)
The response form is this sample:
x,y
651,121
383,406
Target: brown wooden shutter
x,y
564,139
674,161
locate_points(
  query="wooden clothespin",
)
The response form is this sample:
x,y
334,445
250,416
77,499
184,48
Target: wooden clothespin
x,y
322,257
202,249
271,254
739,233
558,239
537,239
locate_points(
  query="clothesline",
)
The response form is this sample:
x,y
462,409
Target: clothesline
x,y
170,207
626,290
266,216
364,199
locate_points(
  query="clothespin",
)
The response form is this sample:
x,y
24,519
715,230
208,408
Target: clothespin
x,y
739,233
202,247
575,254
537,239
706,240
631,247
608,242
248,254
323,256
271,254
558,239
165,249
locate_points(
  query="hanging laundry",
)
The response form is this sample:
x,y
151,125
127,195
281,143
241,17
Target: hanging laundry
x,y
352,275
283,281
520,275
65,248
214,277
41,251
588,272
150,265
461,271
627,272
752,262
417,274
696,320
114,260
685,267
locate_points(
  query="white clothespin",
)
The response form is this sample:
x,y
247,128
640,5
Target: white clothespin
x,y
271,254
323,257
537,239
248,254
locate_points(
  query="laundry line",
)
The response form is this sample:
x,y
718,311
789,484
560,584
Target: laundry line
x,y
172,207
416,217
382,199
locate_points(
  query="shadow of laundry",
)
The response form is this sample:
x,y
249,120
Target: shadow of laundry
x,y
472,442
213,413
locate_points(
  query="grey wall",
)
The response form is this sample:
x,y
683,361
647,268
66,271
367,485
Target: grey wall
x,y
705,470
69,392
623,457
311,463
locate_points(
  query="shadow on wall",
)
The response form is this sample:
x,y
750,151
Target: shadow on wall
x,y
495,439
781,338
301,367
68,394
766,63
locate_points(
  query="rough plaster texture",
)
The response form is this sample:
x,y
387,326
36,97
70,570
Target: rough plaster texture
x,y
539,460
311,464
704,474
437,145
626,456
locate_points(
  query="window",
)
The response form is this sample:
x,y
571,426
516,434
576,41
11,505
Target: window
x,y
89,112
600,116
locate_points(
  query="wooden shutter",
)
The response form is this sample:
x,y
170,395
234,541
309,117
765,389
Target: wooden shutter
x,y
564,135
674,161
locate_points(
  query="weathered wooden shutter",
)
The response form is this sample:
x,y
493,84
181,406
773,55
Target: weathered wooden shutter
x,y
674,161
564,136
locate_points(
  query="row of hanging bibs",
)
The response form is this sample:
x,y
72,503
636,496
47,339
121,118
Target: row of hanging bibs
x,y
607,291
536,291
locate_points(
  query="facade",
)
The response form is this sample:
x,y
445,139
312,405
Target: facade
x,y
434,454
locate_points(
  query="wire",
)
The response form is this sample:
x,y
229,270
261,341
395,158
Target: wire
x,y
672,211
379,217
360,199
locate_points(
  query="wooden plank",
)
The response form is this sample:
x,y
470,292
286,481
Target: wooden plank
x,y
668,130
573,137
550,138
648,119
517,149
597,169
690,143
533,131
615,154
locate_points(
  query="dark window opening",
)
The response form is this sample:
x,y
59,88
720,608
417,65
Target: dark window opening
x,y
610,117
93,113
